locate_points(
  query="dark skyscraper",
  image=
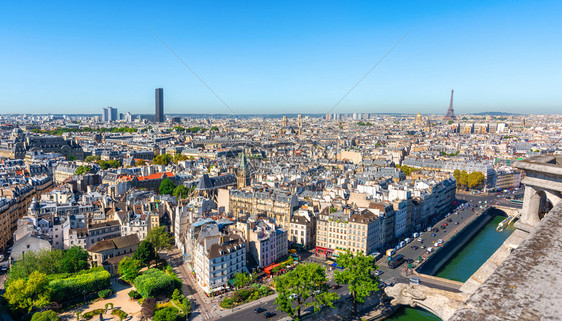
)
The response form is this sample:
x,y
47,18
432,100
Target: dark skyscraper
x,y
159,114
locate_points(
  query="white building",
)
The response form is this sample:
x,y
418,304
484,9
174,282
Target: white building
x,y
267,242
302,229
217,257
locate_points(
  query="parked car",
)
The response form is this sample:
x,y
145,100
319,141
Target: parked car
x,y
378,272
433,234
423,246
268,315
414,247
440,241
259,310
420,240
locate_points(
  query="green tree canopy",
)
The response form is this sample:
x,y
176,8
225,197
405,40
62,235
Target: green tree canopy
x,y
304,286
179,158
357,275
159,238
48,315
112,163
474,179
44,261
166,314
167,186
145,253
163,159
28,294
181,191
463,178
129,269
140,162
75,259
242,279
82,169
92,159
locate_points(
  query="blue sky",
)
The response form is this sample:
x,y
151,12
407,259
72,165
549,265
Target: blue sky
x,y
281,57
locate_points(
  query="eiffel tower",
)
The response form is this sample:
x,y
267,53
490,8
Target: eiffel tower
x,y
450,112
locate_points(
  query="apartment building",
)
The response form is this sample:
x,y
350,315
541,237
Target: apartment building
x,y
267,242
276,205
217,257
302,229
88,236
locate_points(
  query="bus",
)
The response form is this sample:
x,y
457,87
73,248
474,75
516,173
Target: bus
x,y
396,261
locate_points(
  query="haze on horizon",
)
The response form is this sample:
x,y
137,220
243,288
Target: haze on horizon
x,y
290,57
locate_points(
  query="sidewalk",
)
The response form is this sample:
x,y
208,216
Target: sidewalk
x,y
201,309
225,312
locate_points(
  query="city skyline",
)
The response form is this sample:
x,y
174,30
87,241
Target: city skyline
x,y
295,58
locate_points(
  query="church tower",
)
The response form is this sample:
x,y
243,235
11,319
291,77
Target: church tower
x,y
243,175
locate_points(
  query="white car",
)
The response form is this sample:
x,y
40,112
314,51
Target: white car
x,y
440,241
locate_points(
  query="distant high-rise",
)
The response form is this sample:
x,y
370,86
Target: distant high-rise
x,y
450,112
159,113
109,114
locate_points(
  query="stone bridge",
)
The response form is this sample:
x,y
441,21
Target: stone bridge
x,y
521,280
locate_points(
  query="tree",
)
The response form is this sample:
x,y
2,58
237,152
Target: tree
x,y
92,159
297,286
463,178
44,261
140,162
29,294
457,174
48,315
70,158
181,192
112,163
82,169
179,158
474,179
241,279
129,269
167,186
75,259
147,308
163,159
357,275
166,314
108,306
145,253
159,238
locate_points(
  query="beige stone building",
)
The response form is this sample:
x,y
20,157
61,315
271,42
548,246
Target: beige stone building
x,y
108,253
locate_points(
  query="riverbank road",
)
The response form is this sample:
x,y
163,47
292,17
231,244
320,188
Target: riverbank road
x,y
417,249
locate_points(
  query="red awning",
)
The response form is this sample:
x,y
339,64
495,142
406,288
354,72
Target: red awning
x,y
270,267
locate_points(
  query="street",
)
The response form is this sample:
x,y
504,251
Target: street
x,y
205,306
